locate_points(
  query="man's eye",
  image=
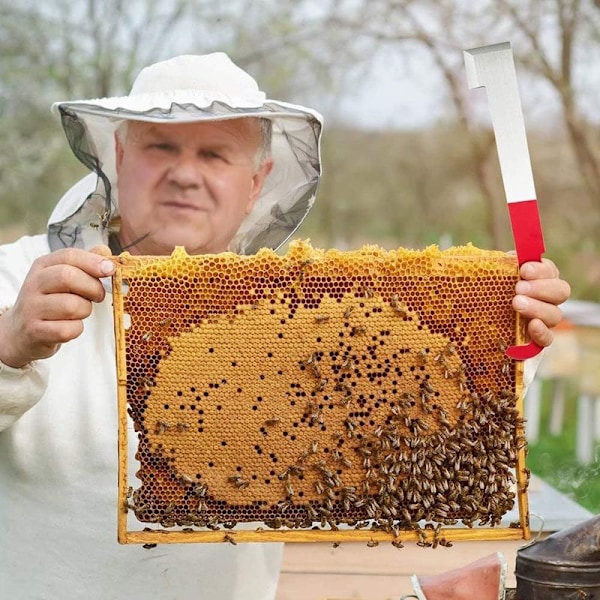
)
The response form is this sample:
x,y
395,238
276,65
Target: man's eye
x,y
163,146
211,155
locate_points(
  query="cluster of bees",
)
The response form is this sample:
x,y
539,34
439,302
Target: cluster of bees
x,y
296,392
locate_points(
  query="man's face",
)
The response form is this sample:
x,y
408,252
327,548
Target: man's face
x,y
187,184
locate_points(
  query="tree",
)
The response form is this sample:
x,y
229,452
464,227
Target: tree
x,y
70,49
574,24
438,30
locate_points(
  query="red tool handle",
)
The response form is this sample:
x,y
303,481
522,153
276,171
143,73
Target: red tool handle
x,y
529,243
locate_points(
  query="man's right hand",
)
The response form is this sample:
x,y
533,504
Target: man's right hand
x,y
56,296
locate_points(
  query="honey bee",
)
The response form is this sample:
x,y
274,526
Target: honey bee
x,y
347,364
372,543
348,312
276,523
321,318
271,422
229,538
200,490
350,424
316,417
443,417
320,385
367,291
303,266
146,383
161,427
289,490
399,307
311,512
302,457
450,349
214,520
428,387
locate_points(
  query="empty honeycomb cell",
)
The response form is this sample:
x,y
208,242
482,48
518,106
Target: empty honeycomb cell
x,y
320,389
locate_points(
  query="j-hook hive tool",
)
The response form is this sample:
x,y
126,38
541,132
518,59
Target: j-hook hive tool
x,y
493,67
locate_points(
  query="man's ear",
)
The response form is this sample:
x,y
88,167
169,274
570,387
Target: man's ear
x,y
258,181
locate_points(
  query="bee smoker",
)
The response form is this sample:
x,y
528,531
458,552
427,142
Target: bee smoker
x,y
565,565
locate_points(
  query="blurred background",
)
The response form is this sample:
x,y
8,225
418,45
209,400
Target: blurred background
x,y
409,153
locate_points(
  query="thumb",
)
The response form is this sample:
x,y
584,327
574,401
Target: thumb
x,y
101,250
107,266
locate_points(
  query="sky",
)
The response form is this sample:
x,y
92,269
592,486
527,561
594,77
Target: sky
x,y
396,94
402,89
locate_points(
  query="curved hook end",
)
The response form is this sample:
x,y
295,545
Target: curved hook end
x,y
523,352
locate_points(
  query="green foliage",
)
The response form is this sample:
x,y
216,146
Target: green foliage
x,y
553,458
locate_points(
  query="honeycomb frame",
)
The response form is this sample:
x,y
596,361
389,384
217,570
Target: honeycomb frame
x,y
372,401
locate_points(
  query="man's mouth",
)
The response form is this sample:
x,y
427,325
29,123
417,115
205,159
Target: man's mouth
x,y
184,205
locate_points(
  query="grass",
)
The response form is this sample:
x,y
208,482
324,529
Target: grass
x,y
553,458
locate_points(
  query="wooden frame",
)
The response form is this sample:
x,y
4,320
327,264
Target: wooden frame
x,y
431,260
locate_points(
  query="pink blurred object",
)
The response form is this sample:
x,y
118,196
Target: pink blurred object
x,y
483,579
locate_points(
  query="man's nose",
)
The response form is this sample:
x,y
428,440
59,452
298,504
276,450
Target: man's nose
x,y
185,171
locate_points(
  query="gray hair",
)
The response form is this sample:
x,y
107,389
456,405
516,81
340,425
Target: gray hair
x,y
264,145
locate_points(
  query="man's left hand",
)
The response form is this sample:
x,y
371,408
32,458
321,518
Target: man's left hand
x,y
538,295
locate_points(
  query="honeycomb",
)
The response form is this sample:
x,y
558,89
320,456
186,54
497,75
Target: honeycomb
x,y
320,391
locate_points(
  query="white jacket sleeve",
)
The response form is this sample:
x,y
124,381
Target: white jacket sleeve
x,y
530,368
20,389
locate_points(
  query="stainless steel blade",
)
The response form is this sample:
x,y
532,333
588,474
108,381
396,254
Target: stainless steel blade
x,y
493,67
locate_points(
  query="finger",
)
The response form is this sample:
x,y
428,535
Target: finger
x,y
59,279
554,291
50,334
530,308
91,263
64,307
539,333
539,270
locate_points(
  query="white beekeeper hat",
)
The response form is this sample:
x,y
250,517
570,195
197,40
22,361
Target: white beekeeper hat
x,y
184,89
